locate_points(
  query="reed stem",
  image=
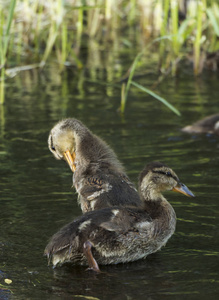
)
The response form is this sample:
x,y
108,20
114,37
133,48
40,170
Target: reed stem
x,y
197,42
164,31
58,26
4,44
175,43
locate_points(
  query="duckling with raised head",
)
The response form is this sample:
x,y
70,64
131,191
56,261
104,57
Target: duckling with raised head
x,y
209,124
99,177
121,234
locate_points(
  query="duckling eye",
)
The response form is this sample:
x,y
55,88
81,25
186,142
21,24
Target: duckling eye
x,y
53,148
168,174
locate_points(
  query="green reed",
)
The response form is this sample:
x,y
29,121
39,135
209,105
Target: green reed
x,y
57,9
159,98
5,28
126,87
197,41
164,31
175,38
55,30
59,25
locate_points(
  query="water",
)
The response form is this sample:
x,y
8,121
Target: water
x,y
36,197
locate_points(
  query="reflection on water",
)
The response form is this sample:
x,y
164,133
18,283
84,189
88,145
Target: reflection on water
x,y
37,197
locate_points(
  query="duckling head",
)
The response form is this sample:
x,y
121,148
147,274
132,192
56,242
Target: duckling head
x,y
156,178
63,138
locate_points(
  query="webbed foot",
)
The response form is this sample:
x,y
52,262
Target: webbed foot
x,y
93,266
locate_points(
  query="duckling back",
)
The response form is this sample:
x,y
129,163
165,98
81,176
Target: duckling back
x,y
105,188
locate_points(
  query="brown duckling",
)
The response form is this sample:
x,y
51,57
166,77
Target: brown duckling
x,y
121,234
99,177
209,124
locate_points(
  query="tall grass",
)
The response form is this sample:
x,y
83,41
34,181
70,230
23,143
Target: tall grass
x,y
4,43
40,31
197,41
126,87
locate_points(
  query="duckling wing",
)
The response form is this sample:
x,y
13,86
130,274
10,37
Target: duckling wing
x,y
60,241
107,229
73,235
94,186
104,190
126,219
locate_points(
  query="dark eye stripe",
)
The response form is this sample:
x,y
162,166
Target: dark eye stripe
x,y
167,174
160,172
51,144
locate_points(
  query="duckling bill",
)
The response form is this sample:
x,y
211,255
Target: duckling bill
x,y
70,159
121,234
99,178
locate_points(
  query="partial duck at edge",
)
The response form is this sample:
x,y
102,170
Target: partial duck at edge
x,y
209,124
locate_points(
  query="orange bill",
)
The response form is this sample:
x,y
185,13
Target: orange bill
x,y
182,188
70,158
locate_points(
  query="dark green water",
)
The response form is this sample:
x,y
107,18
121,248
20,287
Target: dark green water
x,y
36,197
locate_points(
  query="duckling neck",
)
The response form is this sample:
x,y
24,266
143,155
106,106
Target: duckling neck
x,y
150,193
160,210
92,151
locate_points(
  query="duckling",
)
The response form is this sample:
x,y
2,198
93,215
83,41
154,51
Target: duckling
x,y
209,124
99,178
121,234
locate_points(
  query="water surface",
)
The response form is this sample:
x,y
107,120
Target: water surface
x,y
36,197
